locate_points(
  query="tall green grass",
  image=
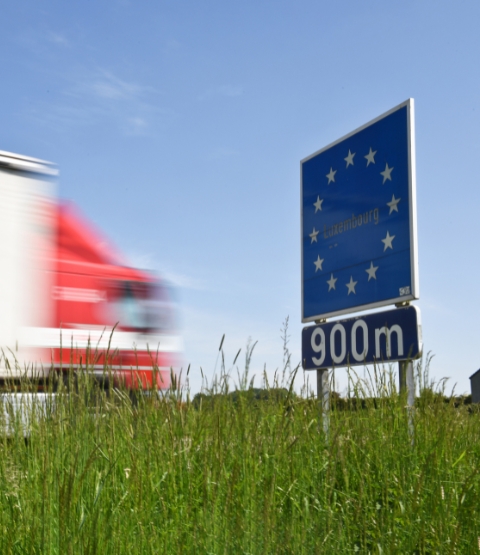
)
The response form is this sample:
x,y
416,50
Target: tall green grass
x,y
99,474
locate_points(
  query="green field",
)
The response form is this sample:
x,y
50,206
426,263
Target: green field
x,y
246,473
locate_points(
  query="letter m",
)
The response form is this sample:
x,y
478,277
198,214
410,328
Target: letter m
x,y
388,334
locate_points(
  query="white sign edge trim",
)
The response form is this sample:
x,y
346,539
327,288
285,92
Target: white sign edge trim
x,y
412,177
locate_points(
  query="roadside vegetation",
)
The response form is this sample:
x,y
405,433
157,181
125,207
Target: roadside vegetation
x,y
247,472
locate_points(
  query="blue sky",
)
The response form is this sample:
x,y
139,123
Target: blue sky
x,y
179,127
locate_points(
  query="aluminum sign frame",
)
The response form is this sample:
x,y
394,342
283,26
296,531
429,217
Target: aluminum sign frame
x,y
350,229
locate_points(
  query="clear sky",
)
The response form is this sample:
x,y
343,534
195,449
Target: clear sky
x,y
178,127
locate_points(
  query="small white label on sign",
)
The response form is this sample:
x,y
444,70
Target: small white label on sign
x,y
404,291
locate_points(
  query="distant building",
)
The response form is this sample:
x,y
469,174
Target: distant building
x,y
475,385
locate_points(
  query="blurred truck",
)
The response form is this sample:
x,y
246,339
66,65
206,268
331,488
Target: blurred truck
x,y
67,299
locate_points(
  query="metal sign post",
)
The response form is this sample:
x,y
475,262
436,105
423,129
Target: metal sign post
x,y
323,396
407,385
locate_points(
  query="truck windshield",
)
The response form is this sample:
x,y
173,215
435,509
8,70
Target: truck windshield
x,y
143,306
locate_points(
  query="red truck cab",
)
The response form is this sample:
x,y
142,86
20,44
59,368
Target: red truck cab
x,y
109,314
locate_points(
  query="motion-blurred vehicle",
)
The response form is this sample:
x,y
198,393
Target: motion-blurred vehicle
x,y
68,300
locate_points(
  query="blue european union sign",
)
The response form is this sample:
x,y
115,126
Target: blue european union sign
x,y
359,245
